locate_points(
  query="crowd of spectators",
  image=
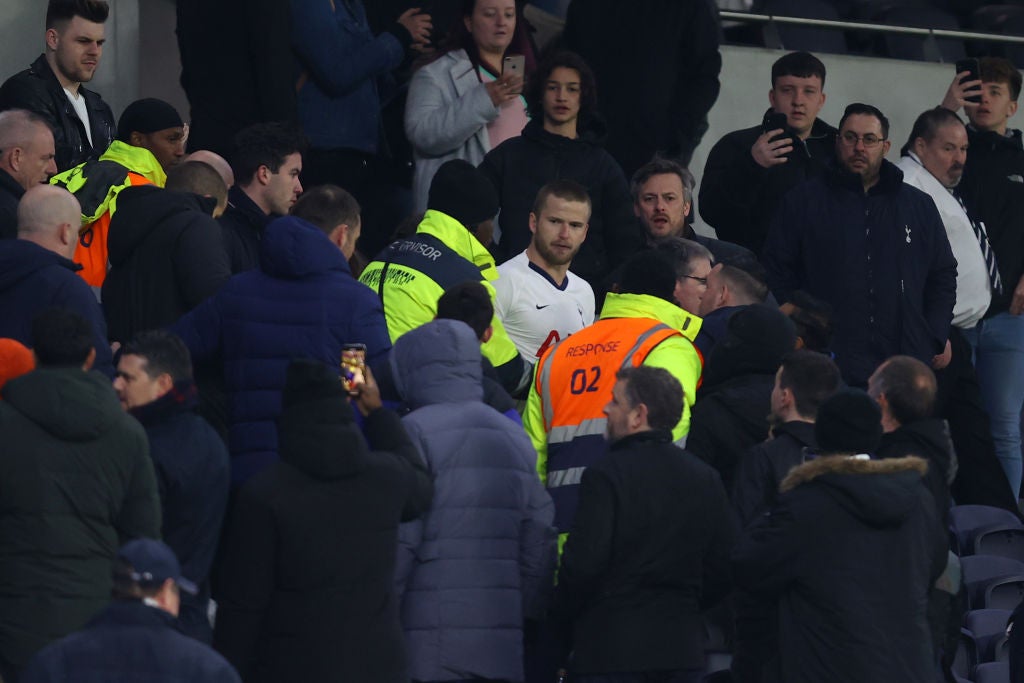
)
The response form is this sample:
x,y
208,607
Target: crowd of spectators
x,y
377,381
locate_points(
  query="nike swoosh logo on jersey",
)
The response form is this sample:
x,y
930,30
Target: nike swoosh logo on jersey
x,y
539,307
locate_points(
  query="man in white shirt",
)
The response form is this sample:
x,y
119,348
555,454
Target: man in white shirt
x,y
539,300
933,161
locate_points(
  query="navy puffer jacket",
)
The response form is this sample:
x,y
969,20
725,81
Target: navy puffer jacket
x,y
482,560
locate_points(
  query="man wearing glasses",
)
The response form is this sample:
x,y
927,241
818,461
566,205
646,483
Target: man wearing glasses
x,y
872,247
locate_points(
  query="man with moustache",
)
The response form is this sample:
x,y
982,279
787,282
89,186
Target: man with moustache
x,y
539,300
82,122
933,161
869,245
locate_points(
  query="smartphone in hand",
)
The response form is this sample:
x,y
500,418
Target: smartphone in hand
x,y
353,366
972,66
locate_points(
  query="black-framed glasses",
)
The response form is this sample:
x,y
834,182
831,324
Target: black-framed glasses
x,y
851,139
701,280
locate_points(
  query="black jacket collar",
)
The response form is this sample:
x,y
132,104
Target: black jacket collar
x,y
10,185
652,436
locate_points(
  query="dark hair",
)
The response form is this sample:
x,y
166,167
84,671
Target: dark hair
x,y
927,126
264,144
909,387
657,389
198,178
660,166
859,108
327,207
459,38
163,352
61,338
683,253
799,64
650,272
746,276
538,83
813,320
999,70
470,303
59,11
569,190
812,377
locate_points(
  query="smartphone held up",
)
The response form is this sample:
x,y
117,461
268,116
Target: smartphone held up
x,y
353,367
973,69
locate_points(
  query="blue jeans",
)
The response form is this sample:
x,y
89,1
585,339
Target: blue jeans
x,y
998,345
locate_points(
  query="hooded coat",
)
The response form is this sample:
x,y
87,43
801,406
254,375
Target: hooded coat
x,y
302,303
849,552
32,279
166,257
482,560
309,554
521,166
76,483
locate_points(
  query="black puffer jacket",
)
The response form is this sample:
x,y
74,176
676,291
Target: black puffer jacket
x,y
166,256
520,166
76,483
38,90
850,553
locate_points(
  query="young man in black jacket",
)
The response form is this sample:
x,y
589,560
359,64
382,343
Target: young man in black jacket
x,y
649,544
82,123
749,170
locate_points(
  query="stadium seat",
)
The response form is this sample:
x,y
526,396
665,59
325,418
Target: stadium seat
x,y
1004,541
898,46
810,38
992,672
988,630
968,520
966,657
993,582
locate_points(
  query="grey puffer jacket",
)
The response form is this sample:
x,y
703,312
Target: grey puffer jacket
x,y
482,560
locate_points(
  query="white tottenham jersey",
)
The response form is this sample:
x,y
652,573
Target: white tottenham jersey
x,y
535,311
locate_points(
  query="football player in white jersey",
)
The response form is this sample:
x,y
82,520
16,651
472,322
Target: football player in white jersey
x,y
540,301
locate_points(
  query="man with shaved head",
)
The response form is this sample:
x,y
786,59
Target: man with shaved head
x,y
37,273
216,162
26,160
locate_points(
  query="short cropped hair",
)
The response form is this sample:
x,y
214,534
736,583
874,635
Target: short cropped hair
x,y
657,389
1000,70
264,144
813,320
650,272
198,178
909,387
683,253
162,352
327,207
538,83
812,377
470,303
17,126
747,277
799,64
859,108
928,124
659,166
569,190
61,338
61,11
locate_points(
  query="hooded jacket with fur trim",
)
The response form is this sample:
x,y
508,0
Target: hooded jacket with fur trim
x,y
849,552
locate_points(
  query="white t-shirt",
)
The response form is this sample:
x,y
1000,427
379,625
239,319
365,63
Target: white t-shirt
x,y
78,102
536,312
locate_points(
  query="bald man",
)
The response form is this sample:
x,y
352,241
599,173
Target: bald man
x,y
36,270
26,160
216,161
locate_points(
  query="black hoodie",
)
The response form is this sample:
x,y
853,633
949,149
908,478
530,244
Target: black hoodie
x,y
166,256
929,440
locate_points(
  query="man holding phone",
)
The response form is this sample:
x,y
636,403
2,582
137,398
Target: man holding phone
x,y
992,189
748,171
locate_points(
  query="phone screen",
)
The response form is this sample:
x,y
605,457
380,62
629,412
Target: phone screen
x,y
353,365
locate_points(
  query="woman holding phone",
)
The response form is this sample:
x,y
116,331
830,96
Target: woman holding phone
x,y
468,98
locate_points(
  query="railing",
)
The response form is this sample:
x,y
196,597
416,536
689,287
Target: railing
x,y
931,47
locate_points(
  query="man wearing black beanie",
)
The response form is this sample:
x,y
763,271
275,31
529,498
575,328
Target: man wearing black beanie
x,y
150,139
449,248
849,554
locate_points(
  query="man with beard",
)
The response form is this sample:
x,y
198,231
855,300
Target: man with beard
x,y
83,124
869,245
539,300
